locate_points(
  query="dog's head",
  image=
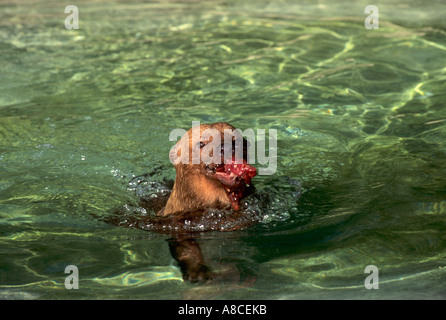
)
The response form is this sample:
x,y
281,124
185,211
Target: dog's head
x,y
218,152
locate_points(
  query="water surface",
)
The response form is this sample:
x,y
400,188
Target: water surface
x,y
360,116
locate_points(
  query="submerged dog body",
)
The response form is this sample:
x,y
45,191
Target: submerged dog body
x,y
215,179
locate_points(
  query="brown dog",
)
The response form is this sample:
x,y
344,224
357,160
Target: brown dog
x,y
210,171
205,183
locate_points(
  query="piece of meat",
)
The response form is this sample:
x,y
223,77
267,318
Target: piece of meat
x,y
235,177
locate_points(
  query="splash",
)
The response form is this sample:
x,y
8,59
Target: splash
x,y
268,205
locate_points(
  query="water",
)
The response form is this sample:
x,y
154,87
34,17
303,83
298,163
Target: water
x,y
360,118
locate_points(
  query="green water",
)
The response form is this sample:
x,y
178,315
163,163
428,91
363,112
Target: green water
x,y
361,122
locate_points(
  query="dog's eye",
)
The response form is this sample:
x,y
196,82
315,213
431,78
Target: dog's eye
x,y
202,144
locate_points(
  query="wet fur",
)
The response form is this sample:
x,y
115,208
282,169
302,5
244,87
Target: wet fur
x,y
194,188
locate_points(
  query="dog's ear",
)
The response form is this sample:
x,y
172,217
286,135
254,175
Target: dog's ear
x,y
179,153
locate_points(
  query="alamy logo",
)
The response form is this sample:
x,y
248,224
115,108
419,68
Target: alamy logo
x,y
72,20
72,281
372,20
372,280
218,148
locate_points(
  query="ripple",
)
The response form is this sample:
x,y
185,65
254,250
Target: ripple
x,y
269,205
